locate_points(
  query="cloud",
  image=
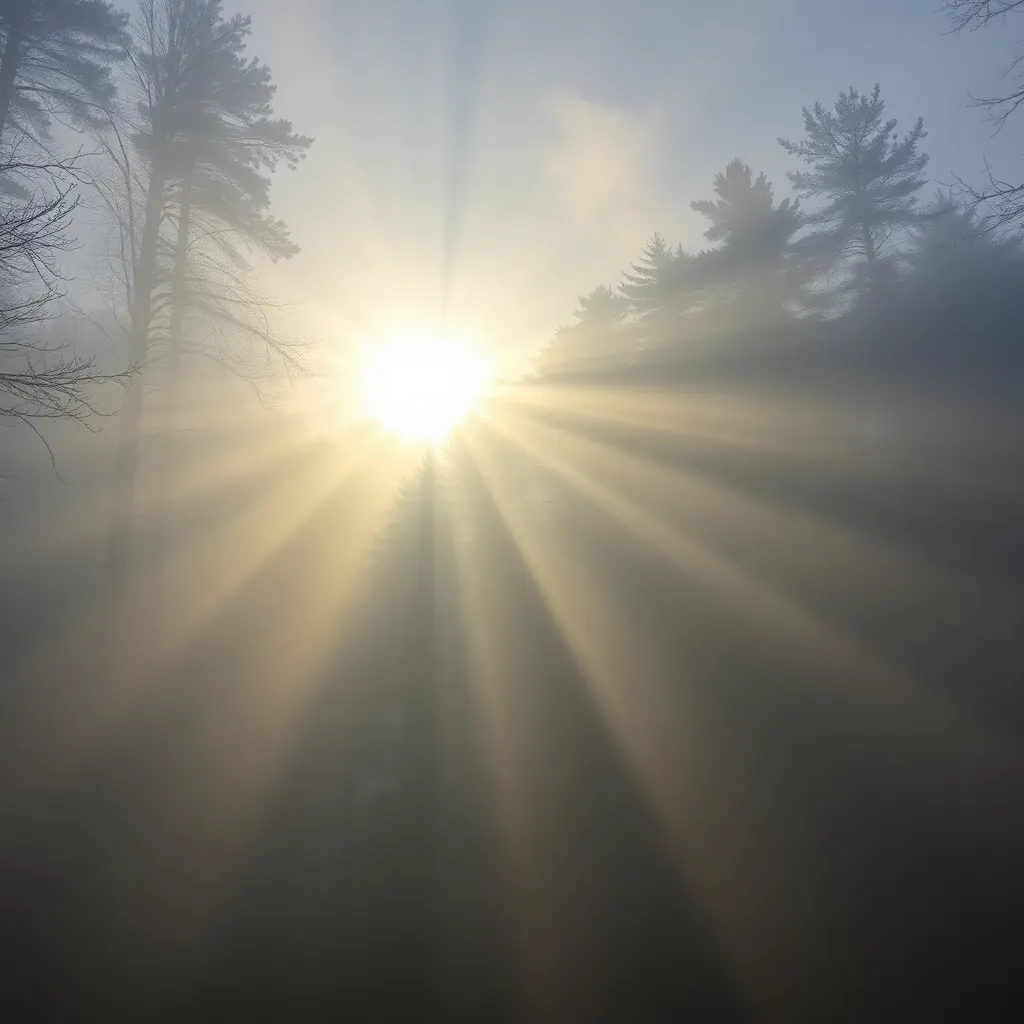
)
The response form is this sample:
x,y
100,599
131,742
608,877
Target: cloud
x,y
600,160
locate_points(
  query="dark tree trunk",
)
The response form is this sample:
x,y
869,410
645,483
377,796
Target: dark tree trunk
x,y
126,459
172,377
11,58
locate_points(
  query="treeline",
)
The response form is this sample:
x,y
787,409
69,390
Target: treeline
x,y
855,258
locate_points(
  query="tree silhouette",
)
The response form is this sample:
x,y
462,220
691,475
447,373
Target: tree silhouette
x,y
601,308
203,134
948,235
963,287
654,289
55,57
646,287
754,270
55,60
1005,197
41,376
598,333
868,178
229,137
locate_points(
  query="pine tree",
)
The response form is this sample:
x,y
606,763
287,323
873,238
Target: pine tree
x,y
744,217
204,133
602,307
598,333
657,292
55,55
754,269
647,288
228,137
868,178
963,278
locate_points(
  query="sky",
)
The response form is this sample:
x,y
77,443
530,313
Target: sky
x,y
477,164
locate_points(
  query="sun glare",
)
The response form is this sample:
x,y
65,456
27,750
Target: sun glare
x,y
420,387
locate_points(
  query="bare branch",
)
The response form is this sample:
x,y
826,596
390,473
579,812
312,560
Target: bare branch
x,y
970,15
1004,198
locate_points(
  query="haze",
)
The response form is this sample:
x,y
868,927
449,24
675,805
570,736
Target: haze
x,y
511,511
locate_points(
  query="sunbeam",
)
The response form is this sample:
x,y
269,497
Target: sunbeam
x,y
473,547
881,688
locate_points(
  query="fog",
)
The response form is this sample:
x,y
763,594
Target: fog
x,y
511,512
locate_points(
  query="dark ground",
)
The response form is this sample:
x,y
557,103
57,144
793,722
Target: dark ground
x,y
826,821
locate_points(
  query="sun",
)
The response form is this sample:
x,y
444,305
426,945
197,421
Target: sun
x,y
421,387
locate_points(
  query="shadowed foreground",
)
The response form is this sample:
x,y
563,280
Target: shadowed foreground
x,y
709,714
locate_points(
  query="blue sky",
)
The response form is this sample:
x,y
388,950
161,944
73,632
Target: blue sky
x,y
485,162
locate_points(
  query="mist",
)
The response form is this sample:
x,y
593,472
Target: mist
x,y
511,511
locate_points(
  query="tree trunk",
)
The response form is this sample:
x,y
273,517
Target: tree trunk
x,y
172,378
126,460
870,254
10,59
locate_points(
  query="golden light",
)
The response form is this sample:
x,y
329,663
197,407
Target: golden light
x,y
421,386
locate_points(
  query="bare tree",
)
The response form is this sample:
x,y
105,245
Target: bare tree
x,y
40,378
55,58
1005,198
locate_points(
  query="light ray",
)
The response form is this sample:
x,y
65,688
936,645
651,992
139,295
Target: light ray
x,y
205,576
929,723
497,670
690,785
614,653
732,518
246,728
